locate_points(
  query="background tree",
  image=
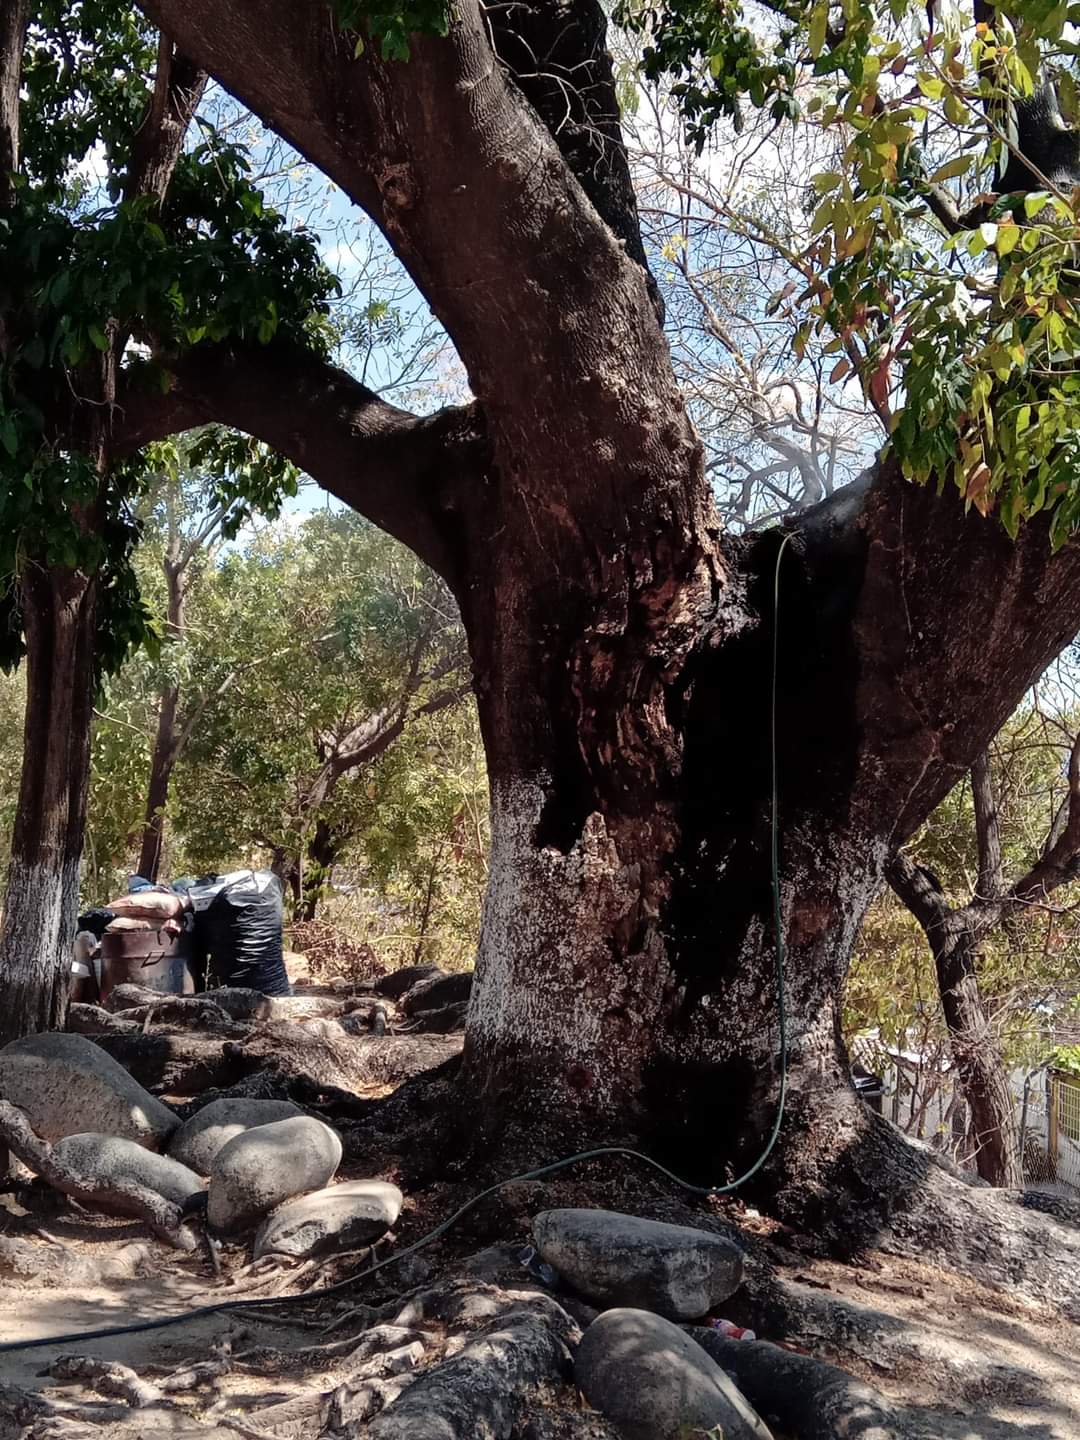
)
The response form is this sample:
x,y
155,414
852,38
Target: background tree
x,y
156,242
336,645
1000,949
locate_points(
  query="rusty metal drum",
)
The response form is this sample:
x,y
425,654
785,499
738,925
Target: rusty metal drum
x,y
155,959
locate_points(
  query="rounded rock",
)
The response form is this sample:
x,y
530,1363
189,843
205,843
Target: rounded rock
x,y
615,1259
654,1383
342,1217
199,1139
67,1085
111,1159
262,1168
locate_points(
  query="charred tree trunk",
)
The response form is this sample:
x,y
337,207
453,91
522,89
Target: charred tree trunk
x,y
626,977
41,906
622,652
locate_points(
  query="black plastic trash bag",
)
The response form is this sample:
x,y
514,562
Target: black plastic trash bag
x,y
238,930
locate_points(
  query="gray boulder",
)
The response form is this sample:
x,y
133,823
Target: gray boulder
x,y
262,1168
654,1383
615,1259
108,1158
339,1218
67,1085
199,1139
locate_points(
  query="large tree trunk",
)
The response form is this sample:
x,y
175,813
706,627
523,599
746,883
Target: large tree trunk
x,y
622,652
42,899
626,976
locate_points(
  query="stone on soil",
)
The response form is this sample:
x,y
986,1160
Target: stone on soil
x,y
67,1085
654,1383
262,1168
110,1159
342,1217
199,1139
615,1259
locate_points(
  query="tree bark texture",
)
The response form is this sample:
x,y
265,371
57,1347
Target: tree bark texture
x,y
622,649
42,901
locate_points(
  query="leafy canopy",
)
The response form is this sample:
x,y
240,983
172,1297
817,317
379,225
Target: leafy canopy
x,y
955,303
95,279
954,299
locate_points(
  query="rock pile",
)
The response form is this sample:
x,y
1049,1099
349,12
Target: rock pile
x,y
247,1161
199,1139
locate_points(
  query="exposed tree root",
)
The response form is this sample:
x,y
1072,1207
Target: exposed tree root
x,y
113,1197
107,1377
856,1181
175,1064
480,1393
801,1395
93,1020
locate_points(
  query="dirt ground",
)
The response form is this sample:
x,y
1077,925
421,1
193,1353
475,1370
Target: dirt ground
x,y
965,1362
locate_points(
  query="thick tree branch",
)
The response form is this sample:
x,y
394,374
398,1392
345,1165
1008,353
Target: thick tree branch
x,y
916,887
933,668
178,87
407,474
481,207
1059,862
557,52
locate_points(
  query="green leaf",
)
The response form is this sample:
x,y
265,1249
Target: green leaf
x,y
960,165
819,25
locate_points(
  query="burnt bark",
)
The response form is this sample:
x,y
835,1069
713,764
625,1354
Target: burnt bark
x,y
58,608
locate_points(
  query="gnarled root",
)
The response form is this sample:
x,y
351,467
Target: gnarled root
x,y
114,1197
